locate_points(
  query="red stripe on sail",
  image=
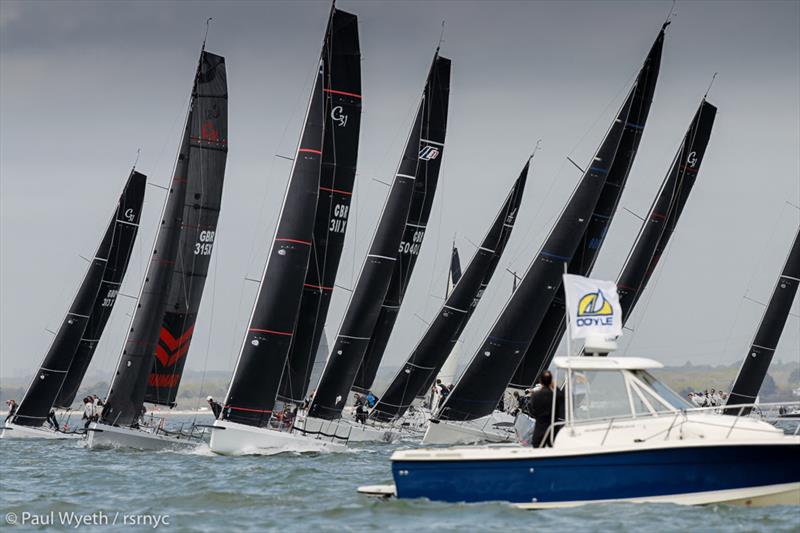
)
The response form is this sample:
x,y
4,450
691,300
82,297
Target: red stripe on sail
x,y
334,91
309,151
328,189
307,243
317,287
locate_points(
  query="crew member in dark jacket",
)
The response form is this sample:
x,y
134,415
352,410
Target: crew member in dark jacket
x,y
540,408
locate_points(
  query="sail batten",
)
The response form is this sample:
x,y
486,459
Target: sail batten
x,y
439,340
385,262
65,363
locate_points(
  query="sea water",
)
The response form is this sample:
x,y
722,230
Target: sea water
x,y
62,485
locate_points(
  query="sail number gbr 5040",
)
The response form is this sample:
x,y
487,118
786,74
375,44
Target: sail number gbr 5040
x,y
413,246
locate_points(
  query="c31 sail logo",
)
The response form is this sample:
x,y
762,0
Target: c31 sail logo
x,y
594,310
338,116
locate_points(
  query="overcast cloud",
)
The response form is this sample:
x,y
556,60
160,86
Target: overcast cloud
x,y
83,85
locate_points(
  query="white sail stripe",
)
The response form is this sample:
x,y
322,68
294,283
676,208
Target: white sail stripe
x,y
431,142
416,225
508,225
382,257
104,260
763,347
455,309
112,282
486,249
352,337
128,223
391,306
76,314
790,277
53,370
406,176
90,340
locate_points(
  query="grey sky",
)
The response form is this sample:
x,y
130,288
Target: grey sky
x,y
84,84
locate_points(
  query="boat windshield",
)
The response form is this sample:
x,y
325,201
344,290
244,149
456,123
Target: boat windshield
x,y
667,394
599,394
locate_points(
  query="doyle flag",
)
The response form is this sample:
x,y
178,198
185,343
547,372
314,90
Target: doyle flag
x,y
593,307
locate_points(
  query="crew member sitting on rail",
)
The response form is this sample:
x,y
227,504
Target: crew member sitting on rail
x,y
52,421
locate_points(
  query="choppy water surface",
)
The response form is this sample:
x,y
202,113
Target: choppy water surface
x,y
200,491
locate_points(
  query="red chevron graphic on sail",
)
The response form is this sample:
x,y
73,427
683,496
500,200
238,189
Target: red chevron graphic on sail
x,y
173,349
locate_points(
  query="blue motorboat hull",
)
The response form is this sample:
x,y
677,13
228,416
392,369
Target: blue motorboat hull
x,y
620,475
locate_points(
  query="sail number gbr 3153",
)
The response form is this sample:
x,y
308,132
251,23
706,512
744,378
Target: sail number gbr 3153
x,y
205,243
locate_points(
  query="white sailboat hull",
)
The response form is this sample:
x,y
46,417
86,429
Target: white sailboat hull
x,y
104,436
14,431
470,432
230,438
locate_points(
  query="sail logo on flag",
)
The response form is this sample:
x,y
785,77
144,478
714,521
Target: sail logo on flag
x,y
594,304
593,307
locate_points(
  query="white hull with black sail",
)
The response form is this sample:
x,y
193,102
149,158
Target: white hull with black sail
x,y
155,351
64,365
285,327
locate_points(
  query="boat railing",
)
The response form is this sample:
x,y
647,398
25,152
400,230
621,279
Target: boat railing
x,y
682,416
157,426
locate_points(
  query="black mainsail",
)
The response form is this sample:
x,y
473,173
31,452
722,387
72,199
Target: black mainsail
x,y
394,242
254,387
342,101
125,229
666,210
548,336
430,354
454,274
87,309
754,368
434,128
154,353
481,386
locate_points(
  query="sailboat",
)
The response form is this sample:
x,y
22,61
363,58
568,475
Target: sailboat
x,y
386,271
467,414
295,287
64,365
754,367
155,351
428,357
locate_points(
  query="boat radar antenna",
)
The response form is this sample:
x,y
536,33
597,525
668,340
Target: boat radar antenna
x,y
714,77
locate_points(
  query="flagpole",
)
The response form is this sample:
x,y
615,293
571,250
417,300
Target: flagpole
x,y
566,314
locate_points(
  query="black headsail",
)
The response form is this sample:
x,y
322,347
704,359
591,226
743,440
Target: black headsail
x,y
454,274
49,380
754,368
421,368
548,336
666,210
342,100
271,330
163,323
482,384
420,161
432,140
125,226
